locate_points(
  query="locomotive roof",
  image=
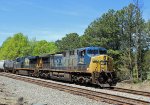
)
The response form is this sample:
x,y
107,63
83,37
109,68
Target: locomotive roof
x,y
48,55
83,48
44,55
102,48
32,57
29,57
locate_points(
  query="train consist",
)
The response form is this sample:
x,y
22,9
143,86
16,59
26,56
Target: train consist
x,y
83,65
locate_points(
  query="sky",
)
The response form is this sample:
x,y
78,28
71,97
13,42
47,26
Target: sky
x,y
52,19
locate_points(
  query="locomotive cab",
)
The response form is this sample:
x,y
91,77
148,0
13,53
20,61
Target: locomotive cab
x,y
85,55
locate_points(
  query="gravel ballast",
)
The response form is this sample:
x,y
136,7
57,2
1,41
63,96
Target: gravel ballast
x,y
14,92
103,90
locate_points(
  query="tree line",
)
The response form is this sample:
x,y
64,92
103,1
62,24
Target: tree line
x,y
19,45
123,32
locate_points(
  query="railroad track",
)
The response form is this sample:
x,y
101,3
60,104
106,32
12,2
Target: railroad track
x,y
99,96
142,93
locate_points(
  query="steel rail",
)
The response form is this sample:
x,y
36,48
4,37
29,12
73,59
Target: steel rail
x,y
131,91
99,96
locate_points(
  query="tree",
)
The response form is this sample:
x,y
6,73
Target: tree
x,y
146,64
15,46
138,44
44,47
70,41
127,41
19,46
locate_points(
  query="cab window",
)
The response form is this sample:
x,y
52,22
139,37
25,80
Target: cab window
x,y
82,53
18,59
102,51
92,51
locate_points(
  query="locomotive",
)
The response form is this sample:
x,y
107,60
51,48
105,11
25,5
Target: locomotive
x,y
88,65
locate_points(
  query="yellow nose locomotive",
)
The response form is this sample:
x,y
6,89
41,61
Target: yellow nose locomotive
x,y
83,65
102,71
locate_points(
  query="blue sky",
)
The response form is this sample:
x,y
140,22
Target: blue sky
x,y
53,19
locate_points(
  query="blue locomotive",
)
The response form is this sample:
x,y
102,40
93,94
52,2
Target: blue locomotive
x,y
82,65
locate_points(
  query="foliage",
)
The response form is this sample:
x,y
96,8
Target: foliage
x,y
70,41
19,45
146,64
15,46
43,47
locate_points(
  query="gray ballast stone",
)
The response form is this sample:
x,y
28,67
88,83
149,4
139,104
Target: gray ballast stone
x,y
37,95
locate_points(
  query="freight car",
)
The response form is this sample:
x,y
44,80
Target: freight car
x,y
2,65
83,65
9,66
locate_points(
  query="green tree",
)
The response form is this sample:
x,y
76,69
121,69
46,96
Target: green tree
x,y
146,64
103,31
19,46
127,41
70,41
15,46
44,47
146,51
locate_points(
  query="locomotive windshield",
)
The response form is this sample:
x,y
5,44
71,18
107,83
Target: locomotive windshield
x,y
92,51
102,51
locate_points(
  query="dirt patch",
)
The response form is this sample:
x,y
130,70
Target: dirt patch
x,y
143,86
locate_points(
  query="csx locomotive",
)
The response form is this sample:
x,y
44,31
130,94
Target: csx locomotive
x,y
83,65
